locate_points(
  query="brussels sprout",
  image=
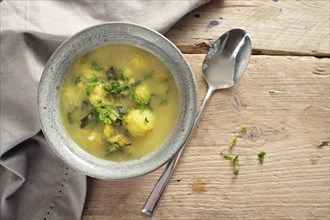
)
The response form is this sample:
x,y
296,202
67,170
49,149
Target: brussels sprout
x,y
142,94
138,62
139,123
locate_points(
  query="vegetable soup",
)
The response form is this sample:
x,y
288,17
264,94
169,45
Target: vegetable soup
x,y
119,102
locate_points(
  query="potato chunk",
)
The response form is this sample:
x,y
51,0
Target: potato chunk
x,y
139,123
108,131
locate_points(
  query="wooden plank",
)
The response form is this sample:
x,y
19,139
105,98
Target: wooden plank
x,y
284,102
277,26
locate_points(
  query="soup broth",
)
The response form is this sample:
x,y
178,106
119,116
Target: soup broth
x,y
119,102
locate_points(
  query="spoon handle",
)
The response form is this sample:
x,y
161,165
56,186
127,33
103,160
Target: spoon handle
x,y
156,194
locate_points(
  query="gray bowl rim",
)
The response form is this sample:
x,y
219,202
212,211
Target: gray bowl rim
x,y
59,143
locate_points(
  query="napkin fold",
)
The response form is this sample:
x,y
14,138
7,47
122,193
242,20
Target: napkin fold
x,y
35,183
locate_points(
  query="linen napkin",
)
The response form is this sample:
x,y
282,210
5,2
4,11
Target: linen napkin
x,y
35,183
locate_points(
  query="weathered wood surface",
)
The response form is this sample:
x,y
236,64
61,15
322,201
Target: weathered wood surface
x,y
276,26
284,102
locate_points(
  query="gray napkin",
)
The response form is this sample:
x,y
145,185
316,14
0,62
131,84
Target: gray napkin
x,y
35,183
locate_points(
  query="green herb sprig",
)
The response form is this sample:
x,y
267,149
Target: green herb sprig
x,y
233,159
233,142
96,66
148,75
90,86
261,156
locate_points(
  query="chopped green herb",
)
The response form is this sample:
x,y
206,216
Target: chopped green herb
x,y
108,114
162,99
142,104
90,86
113,88
233,159
77,80
95,79
243,130
233,142
122,75
148,75
96,66
109,149
261,157
104,115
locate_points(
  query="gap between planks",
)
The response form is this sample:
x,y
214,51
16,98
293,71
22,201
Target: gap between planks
x,y
256,52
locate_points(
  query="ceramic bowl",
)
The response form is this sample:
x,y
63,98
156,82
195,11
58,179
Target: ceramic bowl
x,y
83,42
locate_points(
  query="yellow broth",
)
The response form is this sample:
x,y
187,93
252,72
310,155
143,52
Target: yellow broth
x,y
119,102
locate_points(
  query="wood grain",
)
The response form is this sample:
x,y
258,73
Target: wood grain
x,y
282,27
284,103
282,100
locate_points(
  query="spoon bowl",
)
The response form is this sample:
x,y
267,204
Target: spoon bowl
x,y
227,59
223,67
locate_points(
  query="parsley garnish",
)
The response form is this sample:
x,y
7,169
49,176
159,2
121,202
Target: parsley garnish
x,y
233,159
109,149
261,157
142,104
243,130
96,66
95,79
108,114
122,75
113,87
162,99
233,142
148,75
90,86
77,80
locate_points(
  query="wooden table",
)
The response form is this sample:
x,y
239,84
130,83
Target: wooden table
x,y
283,100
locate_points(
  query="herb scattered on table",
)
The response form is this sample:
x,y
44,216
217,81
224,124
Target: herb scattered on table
x,y
233,142
233,159
261,157
243,130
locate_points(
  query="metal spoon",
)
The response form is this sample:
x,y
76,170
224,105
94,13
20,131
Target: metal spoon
x,y
222,68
